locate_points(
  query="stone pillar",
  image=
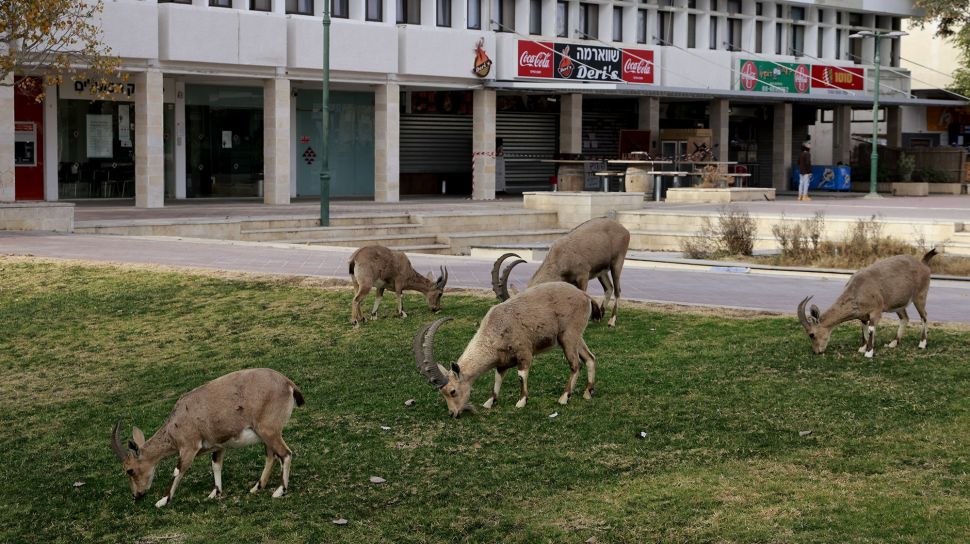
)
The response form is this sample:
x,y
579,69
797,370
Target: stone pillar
x,y
276,141
180,147
649,119
894,126
387,139
841,134
483,145
51,192
781,146
149,141
571,123
7,170
720,121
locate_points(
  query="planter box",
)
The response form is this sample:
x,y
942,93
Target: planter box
x,y
946,188
717,195
43,216
575,207
900,188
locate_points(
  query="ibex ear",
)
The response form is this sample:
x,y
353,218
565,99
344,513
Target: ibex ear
x,y
138,437
816,315
430,276
455,369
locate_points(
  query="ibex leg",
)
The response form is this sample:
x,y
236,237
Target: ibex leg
x,y
524,363
356,315
282,452
377,301
217,457
920,302
499,376
903,321
871,340
400,303
865,337
590,359
604,279
267,470
615,271
570,349
185,460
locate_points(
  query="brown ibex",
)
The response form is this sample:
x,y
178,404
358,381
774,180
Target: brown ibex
x,y
510,335
888,285
594,249
382,268
239,409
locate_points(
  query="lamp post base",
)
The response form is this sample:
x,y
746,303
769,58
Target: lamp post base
x,y
873,196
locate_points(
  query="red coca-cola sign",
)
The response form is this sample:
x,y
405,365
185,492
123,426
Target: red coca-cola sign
x,y
637,66
802,78
749,76
535,59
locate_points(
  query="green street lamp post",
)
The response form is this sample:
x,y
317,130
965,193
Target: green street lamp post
x,y
325,123
874,164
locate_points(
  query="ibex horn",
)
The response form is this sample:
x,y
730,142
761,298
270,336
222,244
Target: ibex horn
x,y
505,278
443,278
496,282
802,318
119,450
424,354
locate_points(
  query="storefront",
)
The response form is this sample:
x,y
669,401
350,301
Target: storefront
x,y
351,143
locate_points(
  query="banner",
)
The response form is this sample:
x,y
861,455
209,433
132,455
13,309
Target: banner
x,y
774,77
838,77
578,62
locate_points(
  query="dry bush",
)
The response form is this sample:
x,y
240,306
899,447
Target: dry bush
x,y
733,234
799,240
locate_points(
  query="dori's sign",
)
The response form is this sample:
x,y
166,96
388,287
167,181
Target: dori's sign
x,y
584,62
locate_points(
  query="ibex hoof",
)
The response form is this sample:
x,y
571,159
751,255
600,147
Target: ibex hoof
x,y
564,398
869,354
489,403
280,491
162,502
862,349
612,322
521,403
922,344
588,394
255,488
216,493
403,315
892,344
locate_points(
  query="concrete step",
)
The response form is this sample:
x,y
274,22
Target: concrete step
x,y
645,240
437,249
462,242
388,240
513,220
300,234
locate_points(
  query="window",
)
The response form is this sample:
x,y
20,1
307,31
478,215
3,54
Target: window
x,y
838,17
820,44
374,10
260,5
855,19
665,27
589,20
408,12
797,40
713,5
821,15
443,13
759,30
535,17
734,7
797,14
299,7
713,35
779,37
562,19
779,11
855,51
734,34
338,8
759,8
475,14
691,30
617,24
838,43
220,3
174,1
641,26
503,15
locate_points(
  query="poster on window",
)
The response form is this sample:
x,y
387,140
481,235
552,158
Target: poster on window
x,y
100,135
124,125
25,143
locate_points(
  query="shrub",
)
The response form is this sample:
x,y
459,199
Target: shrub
x,y
733,234
800,239
929,174
907,163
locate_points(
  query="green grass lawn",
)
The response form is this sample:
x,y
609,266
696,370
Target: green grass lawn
x,y
722,401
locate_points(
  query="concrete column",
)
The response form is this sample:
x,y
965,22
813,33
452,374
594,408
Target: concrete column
x,y
180,149
51,192
387,138
781,133
483,145
276,141
649,119
7,170
894,126
571,123
720,121
149,140
842,134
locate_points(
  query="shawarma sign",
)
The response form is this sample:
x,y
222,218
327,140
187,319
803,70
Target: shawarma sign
x,y
550,60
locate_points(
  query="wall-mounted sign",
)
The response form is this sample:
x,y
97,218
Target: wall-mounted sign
x,y
25,143
838,77
584,62
483,64
774,77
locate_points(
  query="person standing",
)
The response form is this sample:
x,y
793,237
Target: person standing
x,y
804,171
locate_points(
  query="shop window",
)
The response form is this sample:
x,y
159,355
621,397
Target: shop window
x,y
535,17
338,8
562,19
220,3
299,7
475,14
691,31
408,12
374,10
734,34
96,141
260,5
589,20
665,27
443,13
617,24
641,26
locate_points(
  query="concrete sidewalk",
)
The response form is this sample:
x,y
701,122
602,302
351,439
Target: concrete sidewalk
x,y
948,301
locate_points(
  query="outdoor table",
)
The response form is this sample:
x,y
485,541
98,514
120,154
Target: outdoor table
x,y
638,178
571,173
657,187
606,175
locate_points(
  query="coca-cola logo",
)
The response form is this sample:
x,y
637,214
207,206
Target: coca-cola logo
x,y
641,67
801,78
749,76
536,60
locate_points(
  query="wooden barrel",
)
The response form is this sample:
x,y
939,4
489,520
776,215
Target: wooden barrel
x,y
639,181
572,177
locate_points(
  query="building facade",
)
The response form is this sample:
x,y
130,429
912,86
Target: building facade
x,y
223,97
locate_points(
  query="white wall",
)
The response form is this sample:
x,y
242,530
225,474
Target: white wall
x,y
356,46
131,29
430,51
223,36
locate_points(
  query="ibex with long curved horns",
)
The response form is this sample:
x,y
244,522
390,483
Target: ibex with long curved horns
x,y
594,249
888,285
380,267
510,335
241,408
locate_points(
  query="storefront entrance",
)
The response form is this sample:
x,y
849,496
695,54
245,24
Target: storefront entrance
x,y
351,143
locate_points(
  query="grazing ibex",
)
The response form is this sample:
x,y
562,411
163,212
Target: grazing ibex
x,y
888,285
377,266
594,249
235,410
510,335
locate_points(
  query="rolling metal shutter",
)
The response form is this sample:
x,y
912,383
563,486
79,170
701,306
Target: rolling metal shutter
x,y
527,138
435,143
